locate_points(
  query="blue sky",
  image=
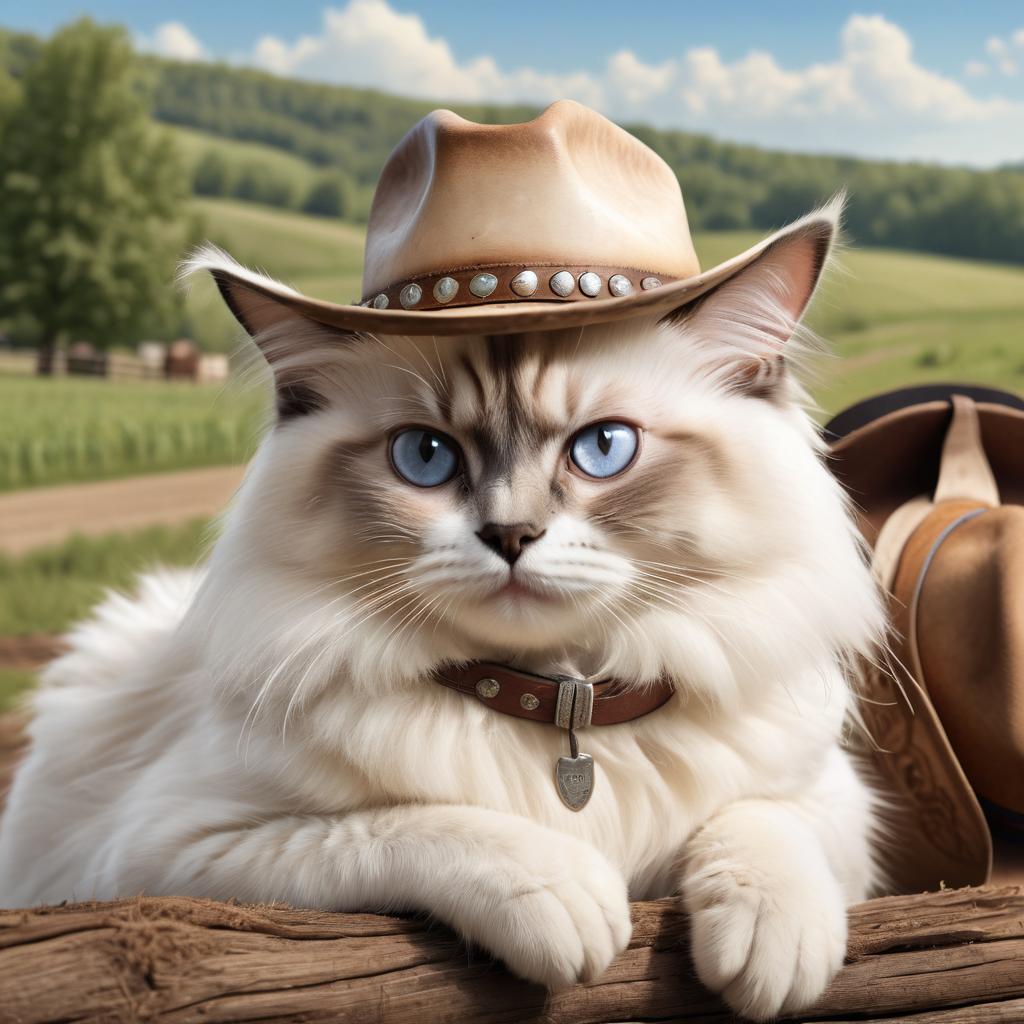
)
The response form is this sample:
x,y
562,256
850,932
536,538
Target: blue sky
x,y
939,81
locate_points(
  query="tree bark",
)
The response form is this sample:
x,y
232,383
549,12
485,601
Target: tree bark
x,y
936,958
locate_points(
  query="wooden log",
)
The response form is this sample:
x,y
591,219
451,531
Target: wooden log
x,y
936,958
930,959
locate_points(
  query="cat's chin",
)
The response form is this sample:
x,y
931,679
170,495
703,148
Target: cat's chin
x,y
521,615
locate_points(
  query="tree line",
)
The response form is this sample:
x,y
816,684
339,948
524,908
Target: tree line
x,y
347,133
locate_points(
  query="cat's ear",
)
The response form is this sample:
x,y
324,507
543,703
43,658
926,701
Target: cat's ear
x,y
296,349
749,320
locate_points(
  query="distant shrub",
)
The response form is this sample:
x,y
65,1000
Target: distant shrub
x,y
213,175
934,356
258,184
331,196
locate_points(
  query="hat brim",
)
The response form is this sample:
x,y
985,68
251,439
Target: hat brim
x,y
859,415
509,317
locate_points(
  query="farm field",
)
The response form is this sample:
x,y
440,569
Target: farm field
x,y
891,317
80,428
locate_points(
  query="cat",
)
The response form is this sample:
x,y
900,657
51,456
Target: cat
x,y
264,728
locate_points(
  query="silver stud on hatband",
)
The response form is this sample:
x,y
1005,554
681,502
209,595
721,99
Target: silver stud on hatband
x,y
529,701
562,283
445,289
411,294
619,285
524,283
590,284
380,302
650,282
482,285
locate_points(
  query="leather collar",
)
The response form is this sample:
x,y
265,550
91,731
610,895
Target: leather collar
x,y
543,699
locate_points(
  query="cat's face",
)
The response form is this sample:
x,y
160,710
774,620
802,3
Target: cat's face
x,y
606,495
525,491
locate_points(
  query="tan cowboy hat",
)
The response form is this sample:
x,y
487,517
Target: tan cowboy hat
x,y
561,221
937,476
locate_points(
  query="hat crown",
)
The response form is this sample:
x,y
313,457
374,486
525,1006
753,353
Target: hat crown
x,y
567,188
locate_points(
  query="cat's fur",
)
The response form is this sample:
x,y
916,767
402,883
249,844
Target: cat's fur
x,y
264,729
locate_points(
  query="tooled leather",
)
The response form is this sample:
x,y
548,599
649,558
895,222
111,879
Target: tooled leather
x,y
503,293
913,756
613,702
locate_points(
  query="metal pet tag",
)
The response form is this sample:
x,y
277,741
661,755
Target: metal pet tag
x,y
574,777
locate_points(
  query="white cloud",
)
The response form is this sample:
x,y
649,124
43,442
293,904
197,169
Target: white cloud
x,y
369,43
1005,56
871,98
976,69
174,40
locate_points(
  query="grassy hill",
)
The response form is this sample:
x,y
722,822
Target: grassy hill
x,y
194,145
892,317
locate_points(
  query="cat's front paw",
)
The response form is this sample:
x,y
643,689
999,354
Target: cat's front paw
x,y
562,912
768,942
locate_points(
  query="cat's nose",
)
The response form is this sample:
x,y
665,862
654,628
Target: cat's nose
x,y
509,539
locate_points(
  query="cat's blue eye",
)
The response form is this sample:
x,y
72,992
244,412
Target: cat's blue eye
x,y
604,449
423,457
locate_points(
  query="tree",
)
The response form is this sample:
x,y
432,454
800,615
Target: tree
x,y
331,196
90,199
258,183
212,175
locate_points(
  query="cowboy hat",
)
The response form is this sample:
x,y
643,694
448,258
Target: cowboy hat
x,y
562,221
937,477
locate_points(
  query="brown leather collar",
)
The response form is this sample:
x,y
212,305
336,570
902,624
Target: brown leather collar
x,y
524,695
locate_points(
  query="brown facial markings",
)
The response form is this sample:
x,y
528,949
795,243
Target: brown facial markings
x,y
645,489
711,450
478,385
507,429
572,398
648,497
335,468
297,399
443,397
545,357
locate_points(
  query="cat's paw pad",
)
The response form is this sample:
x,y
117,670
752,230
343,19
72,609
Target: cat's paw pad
x,y
565,919
767,945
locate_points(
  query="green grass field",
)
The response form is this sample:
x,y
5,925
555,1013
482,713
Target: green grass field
x,y
892,318
46,591
80,428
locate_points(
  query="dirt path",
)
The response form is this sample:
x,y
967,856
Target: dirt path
x,y
28,652
48,515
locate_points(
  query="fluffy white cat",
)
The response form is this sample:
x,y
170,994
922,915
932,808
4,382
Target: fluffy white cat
x,y
267,729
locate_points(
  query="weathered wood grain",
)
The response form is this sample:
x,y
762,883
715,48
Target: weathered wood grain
x,y
931,959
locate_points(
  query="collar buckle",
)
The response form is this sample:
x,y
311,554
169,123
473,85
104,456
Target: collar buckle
x,y
574,706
